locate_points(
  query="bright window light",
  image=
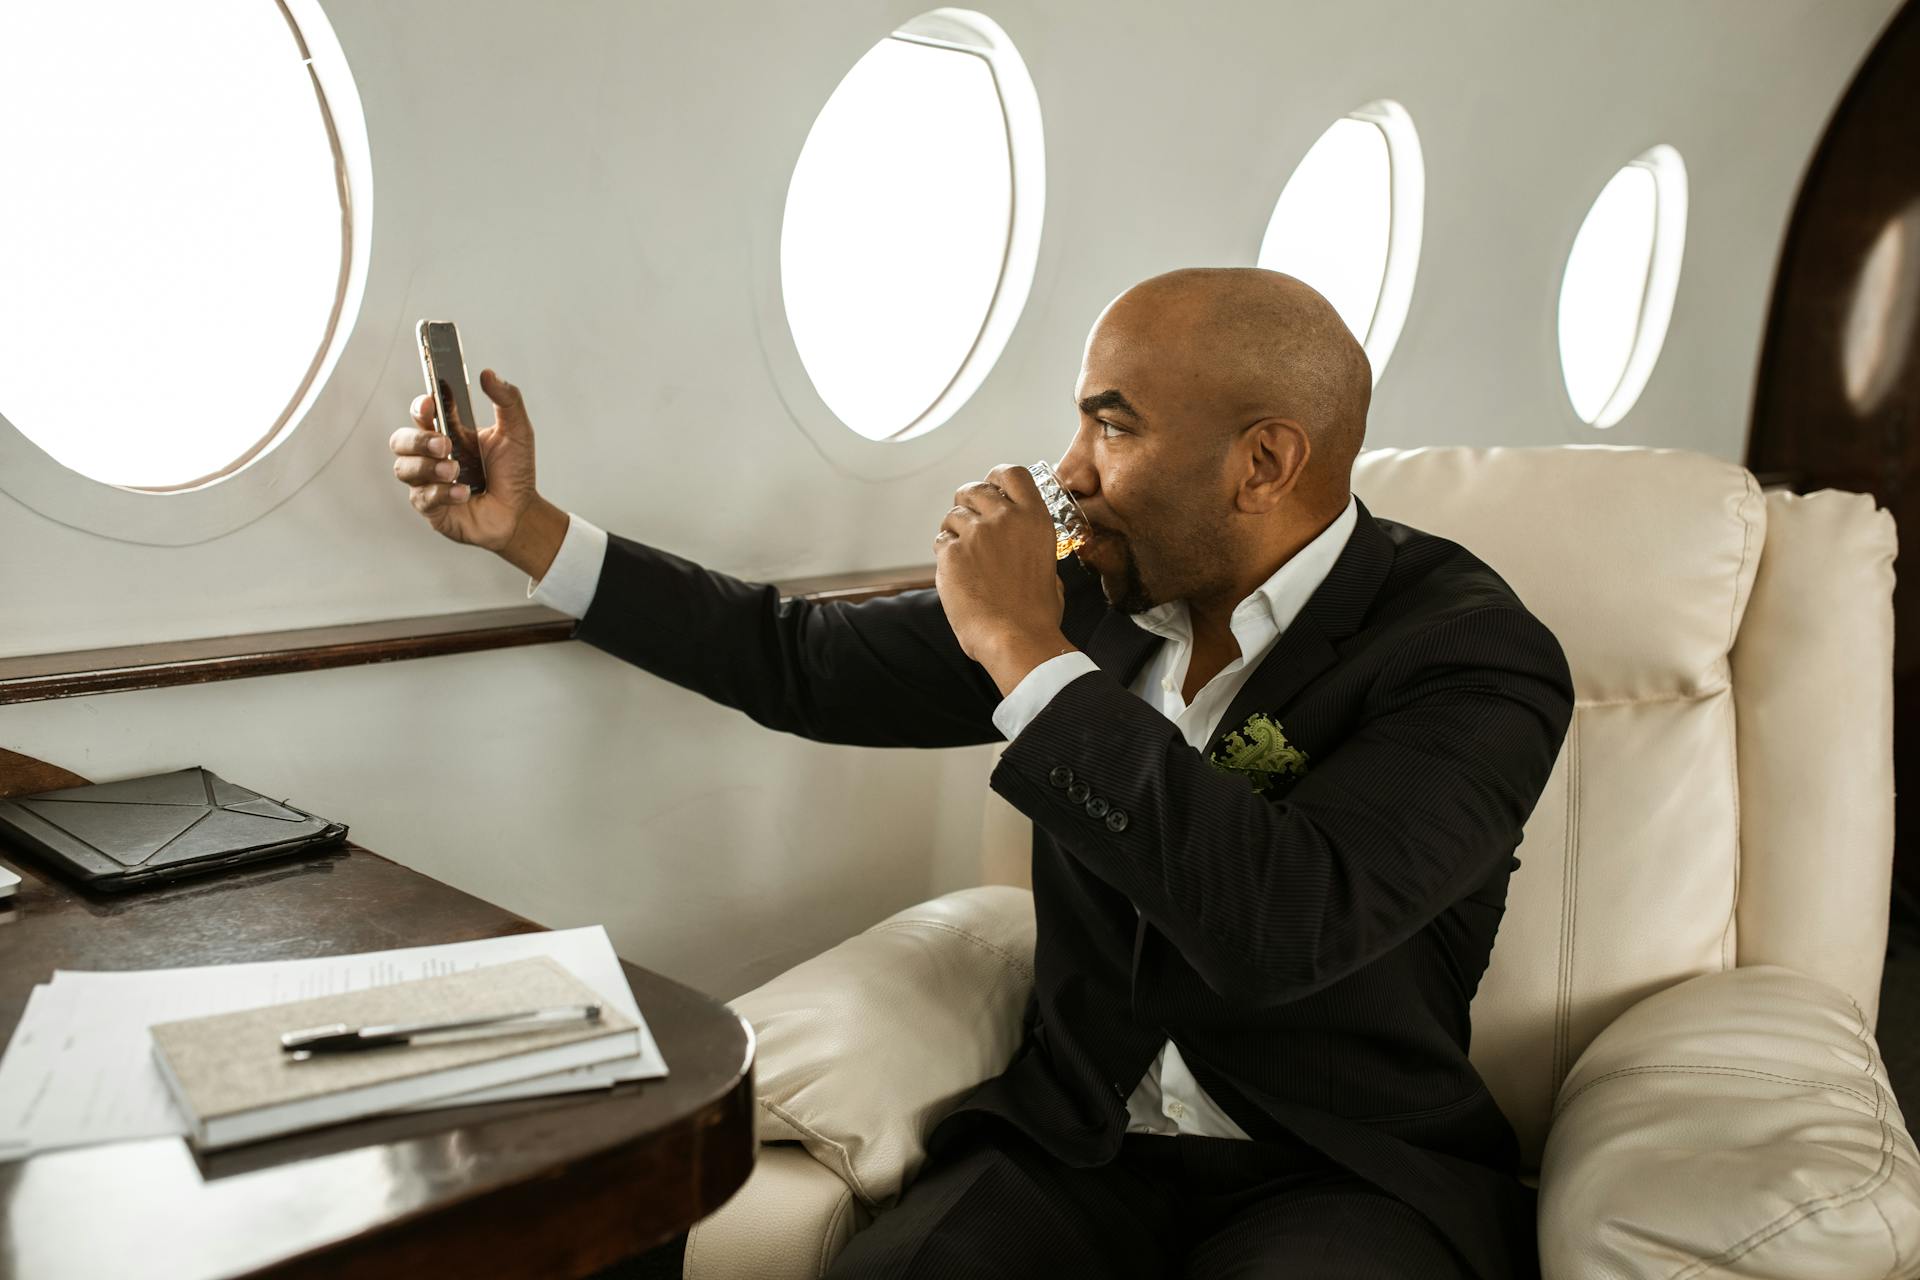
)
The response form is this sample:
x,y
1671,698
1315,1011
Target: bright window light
x,y
1616,296
1348,223
1330,225
896,229
170,252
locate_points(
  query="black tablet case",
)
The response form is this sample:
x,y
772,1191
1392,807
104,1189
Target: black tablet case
x,y
119,835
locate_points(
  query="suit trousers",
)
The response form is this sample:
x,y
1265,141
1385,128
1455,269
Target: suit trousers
x,y
991,1203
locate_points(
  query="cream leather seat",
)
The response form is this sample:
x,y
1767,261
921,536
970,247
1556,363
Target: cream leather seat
x,y
1679,1014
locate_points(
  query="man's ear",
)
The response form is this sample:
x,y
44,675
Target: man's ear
x,y
1275,452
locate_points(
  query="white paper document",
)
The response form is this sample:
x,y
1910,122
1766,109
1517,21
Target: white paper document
x,y
80,1066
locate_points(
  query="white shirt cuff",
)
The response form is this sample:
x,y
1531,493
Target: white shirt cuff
x,y
574,575
1031,696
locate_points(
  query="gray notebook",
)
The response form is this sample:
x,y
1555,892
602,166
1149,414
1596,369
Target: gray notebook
x,y
236,1084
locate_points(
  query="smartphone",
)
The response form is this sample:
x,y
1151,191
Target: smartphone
x,y
445,370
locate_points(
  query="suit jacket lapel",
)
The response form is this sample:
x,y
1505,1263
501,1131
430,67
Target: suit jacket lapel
x,y
1120,646
1332,613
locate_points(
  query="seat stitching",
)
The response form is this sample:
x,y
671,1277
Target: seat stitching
x,y
1872,1054
1573,924
1729,934
1701,1069
1562,1016
1793,1216
833,1227
1566,841
1024,967
1865,1188
847,1175
1647,700
1733,756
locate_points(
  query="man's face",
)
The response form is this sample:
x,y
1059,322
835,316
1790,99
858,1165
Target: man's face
x,y
1147,466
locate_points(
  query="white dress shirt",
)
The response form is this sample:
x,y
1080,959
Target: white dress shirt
x,y
1168,1100
574,575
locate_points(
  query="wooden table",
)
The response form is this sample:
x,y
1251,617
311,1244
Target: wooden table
x,y
560,1186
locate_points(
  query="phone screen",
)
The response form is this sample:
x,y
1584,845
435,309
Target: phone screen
x,y
446,373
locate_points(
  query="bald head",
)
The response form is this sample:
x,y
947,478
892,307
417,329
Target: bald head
x,y
1242,344
1221,409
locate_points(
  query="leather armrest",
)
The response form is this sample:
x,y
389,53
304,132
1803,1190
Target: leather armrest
x,y
1739,1123
788,1222
862,1049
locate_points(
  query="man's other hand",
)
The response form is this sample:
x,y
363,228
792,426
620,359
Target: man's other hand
x,y
997,576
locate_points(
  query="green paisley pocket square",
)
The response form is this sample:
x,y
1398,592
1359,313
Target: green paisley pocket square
x,y
1260,752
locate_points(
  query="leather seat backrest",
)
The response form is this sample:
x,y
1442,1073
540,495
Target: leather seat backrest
x,y
1639,867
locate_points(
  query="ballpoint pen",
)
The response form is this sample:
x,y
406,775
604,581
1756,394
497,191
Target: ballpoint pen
x,y
338,1037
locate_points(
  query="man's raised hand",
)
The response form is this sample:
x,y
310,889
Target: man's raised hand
x,y
422,463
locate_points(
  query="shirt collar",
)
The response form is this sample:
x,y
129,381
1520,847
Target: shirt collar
x,y
1276,602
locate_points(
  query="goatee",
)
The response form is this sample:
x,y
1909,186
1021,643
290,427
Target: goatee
x,y
1133,597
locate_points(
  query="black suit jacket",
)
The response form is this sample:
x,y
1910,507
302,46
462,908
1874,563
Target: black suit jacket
x,y
1312,950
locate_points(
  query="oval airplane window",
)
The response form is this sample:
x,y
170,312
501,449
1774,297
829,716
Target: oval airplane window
x,y
1348,223
176,253
907,242
1617,293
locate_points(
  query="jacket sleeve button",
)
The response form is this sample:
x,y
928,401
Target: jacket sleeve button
x,y
1061,776
1078,792
1116,821
1096,807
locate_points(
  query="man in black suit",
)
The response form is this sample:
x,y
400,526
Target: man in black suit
x,y
1278,754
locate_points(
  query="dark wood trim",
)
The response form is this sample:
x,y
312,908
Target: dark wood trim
x,y
1837,391
38,677
155,666
853,588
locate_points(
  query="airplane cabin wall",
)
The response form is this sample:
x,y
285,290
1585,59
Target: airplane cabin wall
x,y
600,234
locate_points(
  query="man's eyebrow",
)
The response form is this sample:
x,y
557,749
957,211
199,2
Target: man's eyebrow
x,y
1107,401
